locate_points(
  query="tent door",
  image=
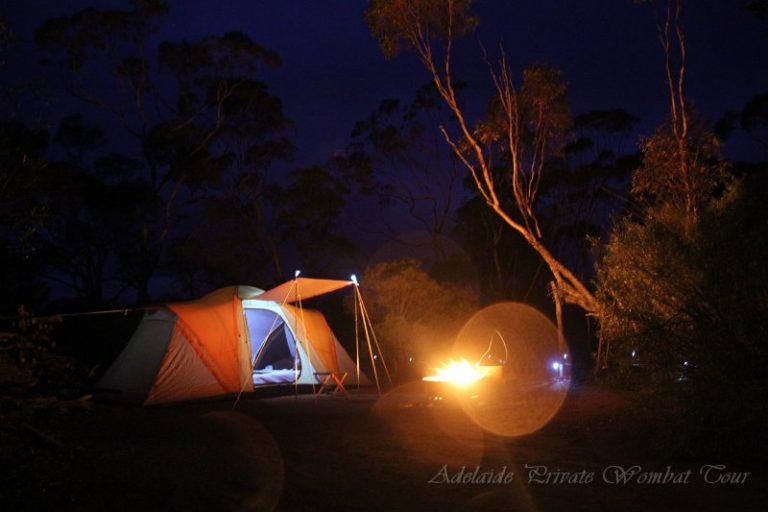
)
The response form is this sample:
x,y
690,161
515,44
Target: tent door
x,y
273,349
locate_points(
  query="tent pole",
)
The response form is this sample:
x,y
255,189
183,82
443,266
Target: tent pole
x,y
368,340
304,334
357,345
375,339
250,376
295,345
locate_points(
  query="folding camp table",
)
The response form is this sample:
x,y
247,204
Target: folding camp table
x,y
332,382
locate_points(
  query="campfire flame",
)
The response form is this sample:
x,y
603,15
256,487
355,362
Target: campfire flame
x,y
460,373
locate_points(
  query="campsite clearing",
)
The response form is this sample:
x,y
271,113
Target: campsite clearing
x,y
363,453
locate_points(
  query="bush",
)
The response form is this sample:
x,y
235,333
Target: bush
x,y
414,315
32,368
691,303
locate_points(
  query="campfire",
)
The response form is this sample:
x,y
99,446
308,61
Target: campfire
x,y
460,373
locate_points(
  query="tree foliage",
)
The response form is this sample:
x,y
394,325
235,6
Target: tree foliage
x,y
404,24
524,125
411,167
752,119
308,211
758,8
24,212
659,180
415,315
687,308
579,192
198,120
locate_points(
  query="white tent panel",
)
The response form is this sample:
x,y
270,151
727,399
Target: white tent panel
x,y
131,375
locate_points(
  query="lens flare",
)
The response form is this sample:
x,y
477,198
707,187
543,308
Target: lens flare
x,y
527,346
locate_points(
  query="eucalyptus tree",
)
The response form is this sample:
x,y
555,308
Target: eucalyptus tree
x,y
506,154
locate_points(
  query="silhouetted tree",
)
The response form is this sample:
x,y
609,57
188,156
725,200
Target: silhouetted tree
x,y
584,194
758,8
308,212
215,130
752,119
413,168
24,212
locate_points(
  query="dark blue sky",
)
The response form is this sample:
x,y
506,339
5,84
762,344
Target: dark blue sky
x,y
333,73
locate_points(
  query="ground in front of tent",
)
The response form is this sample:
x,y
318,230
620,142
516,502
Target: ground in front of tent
x,y
297,453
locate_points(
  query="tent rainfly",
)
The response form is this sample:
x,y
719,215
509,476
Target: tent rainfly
x,y
232,340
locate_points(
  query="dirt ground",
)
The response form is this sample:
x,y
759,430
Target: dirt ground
x,y
363,453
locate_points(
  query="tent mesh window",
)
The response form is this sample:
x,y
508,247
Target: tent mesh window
x,y
273,348
278,353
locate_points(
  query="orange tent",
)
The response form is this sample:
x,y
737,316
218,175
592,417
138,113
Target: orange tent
x,y
231,340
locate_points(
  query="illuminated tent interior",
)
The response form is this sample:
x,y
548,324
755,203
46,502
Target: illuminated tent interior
x,y
232,340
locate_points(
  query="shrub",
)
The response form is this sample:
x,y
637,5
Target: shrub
x,y
691,302
415,315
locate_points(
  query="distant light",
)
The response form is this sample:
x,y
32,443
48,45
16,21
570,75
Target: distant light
x,y
297,273
353,277
410,359
685,363
633,353
375,356
565,356
555,366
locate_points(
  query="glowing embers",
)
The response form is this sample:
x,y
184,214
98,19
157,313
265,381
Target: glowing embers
x,y
460,373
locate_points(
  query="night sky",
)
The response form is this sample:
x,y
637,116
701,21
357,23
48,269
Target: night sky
x,y
333,73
